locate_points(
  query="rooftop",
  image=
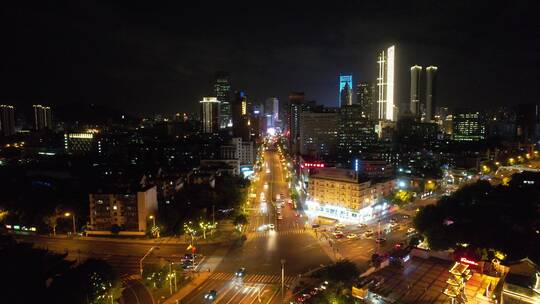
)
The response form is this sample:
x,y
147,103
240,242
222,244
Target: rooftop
x,y
338,174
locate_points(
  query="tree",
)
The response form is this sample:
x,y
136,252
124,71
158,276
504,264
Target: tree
x,y
501,218
51,219
93,281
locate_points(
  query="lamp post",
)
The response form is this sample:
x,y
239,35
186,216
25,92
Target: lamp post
x,y
68,214
154,229
141,260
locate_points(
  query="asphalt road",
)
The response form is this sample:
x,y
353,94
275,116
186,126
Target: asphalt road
x,y
262,253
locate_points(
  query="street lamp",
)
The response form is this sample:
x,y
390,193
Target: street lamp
x,y
141,260
68,214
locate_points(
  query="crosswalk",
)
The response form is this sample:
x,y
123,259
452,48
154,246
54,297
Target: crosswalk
x,y
259,234
252,278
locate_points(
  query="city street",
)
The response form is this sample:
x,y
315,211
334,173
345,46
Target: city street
x,y
263,251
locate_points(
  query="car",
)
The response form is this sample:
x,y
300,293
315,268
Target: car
x,y
338,235
369,231
392,225
188,257
315,226
352,236
393,221
411,230
340,226
240,272
362,225
280,217
406,217
211,295
271,226
380,240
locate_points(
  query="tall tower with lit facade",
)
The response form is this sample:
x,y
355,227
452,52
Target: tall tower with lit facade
x,y
385,85
416,72
222,90
345,90
431,100
210,115
42,117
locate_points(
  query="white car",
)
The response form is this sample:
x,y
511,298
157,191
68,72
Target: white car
x,y
361,225
411,230
340,226
352,236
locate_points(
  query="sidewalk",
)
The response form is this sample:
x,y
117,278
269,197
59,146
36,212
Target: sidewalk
x,y
212,262
224,236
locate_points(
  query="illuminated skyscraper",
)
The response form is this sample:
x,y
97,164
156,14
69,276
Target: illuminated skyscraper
x,y
385,85
7,120
416,71
240,115
210,115
431,101
365,97
345,98
222,89
42,117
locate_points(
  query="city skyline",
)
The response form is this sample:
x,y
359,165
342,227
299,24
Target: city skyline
x,y
142,68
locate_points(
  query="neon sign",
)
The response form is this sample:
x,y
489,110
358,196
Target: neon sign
x,y
312,165
467,261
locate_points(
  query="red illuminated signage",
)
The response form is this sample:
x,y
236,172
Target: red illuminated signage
x,y
311,165
467,261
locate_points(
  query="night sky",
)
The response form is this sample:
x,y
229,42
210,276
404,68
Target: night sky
x,y
154,58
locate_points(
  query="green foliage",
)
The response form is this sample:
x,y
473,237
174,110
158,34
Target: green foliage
x,y
500,218
155,276
94,281
343,271
49,278
240,219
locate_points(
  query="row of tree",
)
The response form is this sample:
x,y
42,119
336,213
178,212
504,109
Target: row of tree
x,y
34,275
480,216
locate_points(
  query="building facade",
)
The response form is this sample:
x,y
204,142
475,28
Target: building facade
x,y
416,72
318,133
7,120
209,115
222,91
340,194
355,132
345,90
431,100
42,117
468,125
129,211
365,98
385,85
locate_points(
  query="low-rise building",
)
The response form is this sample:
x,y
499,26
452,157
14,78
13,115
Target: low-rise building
x,y
122,208
342,194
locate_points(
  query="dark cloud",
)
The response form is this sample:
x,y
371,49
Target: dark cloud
x,y
162,58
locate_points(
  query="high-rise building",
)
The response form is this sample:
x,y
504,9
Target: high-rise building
x,y
222,89
271,111
241,116
42,117
468,125
385,85
318,133
7,120
345,90
416,72
366,99
355,132
210,115
431,101
527,122
296,103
